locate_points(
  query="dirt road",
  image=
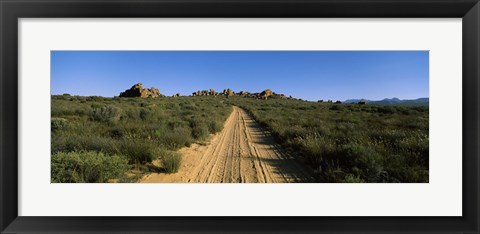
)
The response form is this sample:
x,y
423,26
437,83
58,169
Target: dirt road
x,y
243,152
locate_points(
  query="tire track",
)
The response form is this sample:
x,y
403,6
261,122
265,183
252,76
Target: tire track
x,y
243,152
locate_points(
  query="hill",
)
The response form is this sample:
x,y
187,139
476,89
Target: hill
x,y
394,101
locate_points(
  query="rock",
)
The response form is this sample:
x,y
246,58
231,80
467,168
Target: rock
x,y
266,93
212,92
229,92
137,90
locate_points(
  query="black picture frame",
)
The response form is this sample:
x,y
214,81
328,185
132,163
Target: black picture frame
x,y
12,10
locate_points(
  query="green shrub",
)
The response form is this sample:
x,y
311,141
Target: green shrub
x,y
86,167
387,109
95,98
176,138
353,179
337,107
318,150
97,105
145,114
137,151
78,142
117,132
171,161
365,158
199,128
108,114
328,173
200,132
215,126
58,124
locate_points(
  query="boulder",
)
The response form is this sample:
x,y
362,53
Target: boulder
x,y
137,90
229,92
266,93
212,92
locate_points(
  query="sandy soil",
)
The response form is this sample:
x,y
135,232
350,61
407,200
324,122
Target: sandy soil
x,y
243,152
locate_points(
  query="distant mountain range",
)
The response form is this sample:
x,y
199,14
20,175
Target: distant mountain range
x,y
393,101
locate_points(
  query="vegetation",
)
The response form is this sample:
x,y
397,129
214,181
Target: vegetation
x,y
171,161
96,139
93,138
349,142
86,167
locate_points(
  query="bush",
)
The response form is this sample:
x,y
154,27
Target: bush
x,y
176,138
199,129
215,126
145,114
387,109
86,167
367,160
329,174
77,142
337,107
138,151
200,132
108,114
353,179
171,161
58,124
318,151
96,105
117,132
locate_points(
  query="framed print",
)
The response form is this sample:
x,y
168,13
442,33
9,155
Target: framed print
x,y
254,116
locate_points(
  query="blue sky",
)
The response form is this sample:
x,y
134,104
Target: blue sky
x,y
311,75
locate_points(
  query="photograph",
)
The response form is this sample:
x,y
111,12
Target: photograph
x,y
276,116
239,116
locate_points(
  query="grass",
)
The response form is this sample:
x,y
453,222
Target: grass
x,y
136,130
345,143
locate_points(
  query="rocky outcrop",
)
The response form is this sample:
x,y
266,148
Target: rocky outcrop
x,y
267,93
137,90
205,93
244,93
230,92
212,92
